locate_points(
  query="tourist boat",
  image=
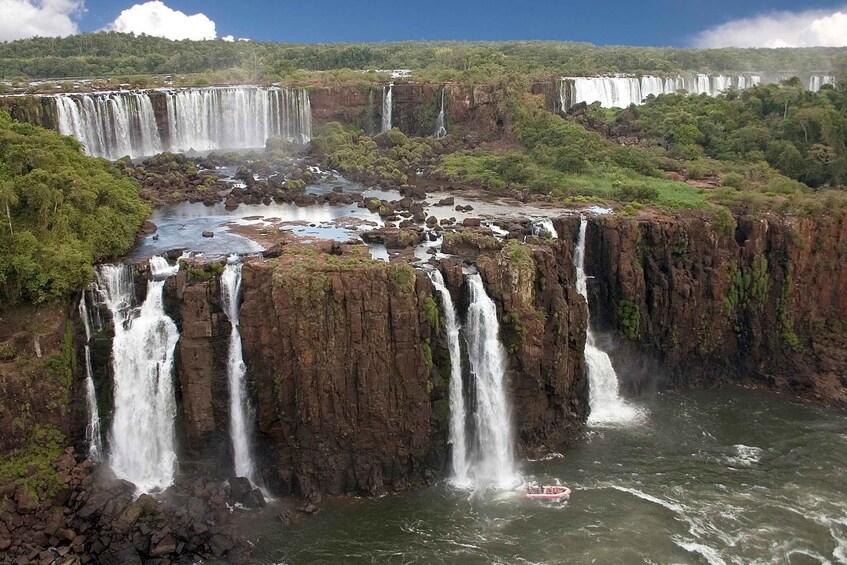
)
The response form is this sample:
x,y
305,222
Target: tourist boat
x,y
547,492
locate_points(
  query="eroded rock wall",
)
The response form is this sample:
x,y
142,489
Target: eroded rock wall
x,y
715,299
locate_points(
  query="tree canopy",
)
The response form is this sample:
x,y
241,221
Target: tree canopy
x,y
62,211
112,53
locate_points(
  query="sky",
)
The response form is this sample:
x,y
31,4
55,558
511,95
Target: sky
x,y
679,23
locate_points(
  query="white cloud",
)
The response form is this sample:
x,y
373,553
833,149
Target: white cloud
x,y
20,19
154,18
811,28
228,38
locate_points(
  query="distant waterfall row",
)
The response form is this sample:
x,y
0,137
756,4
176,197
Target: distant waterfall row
x,y
622,91
116,124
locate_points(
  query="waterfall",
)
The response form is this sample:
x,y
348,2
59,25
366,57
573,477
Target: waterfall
x,y
115,124
92,430
239,409
607,406
440,123
142,435
494,461
623,91
110,125
204,119
457,400
387,106
544,228
817,81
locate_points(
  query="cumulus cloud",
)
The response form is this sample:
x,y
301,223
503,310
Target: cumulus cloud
x,y
228,38
811,28
20,19
154,18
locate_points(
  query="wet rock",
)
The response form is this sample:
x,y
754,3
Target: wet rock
x,y
472,222
208,234
446,201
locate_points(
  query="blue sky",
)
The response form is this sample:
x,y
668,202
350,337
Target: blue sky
x,y
646,22
681,23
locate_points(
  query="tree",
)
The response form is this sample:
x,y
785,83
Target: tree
x,y
9,198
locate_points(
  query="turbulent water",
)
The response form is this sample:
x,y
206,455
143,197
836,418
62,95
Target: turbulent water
x,y
440,122
714,477
387,106
239,410
93,435
607,406
116,124
458,413
141,440
493,462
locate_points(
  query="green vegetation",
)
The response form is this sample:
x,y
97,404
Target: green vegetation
x,y
32,466
390,156
433,314
748,135
564,159
126,56
748,284
629,318
63,211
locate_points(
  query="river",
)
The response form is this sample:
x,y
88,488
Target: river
x,y
731,476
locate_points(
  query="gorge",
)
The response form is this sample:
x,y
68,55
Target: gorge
x,y
309,335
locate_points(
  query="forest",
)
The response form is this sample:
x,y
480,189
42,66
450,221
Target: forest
x,y
61,212
108,54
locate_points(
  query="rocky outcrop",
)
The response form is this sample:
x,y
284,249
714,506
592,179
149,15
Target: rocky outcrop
x,y
716,299
93,517
340,353
193,300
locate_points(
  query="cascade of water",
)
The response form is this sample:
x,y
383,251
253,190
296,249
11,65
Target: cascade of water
x,y
544,228
607,406
387,106
494,461
621,91
458,413
817,81
239,409
92,430
440,123
110,125
142,436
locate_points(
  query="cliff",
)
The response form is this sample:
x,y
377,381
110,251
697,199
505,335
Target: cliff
x,y
340,353
542,325
716,299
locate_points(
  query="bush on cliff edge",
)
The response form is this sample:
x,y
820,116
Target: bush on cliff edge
x,y
61,212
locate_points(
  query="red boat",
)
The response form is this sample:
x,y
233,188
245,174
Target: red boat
x,y
547,492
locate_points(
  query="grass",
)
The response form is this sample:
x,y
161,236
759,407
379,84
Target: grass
x,y
600,182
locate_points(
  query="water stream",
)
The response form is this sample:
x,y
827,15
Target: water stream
x,y
458,413
93,435
608,408
494,460
141,439
387,106
239,409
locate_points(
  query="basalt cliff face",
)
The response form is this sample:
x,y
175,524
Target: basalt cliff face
x,y
542,324
348,368
760,301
